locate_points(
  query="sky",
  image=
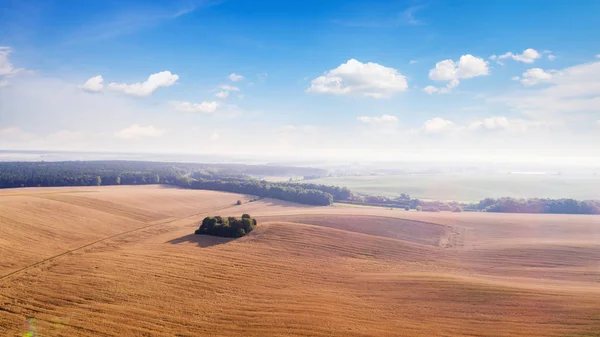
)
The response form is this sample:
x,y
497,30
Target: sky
x,y
353,79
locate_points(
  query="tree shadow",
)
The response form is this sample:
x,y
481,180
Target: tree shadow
x,y
203,241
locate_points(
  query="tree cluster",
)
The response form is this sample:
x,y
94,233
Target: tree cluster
x,y
338,193
261,188
402,201
230,227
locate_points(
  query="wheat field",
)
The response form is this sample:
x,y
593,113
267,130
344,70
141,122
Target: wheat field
x,y
123,261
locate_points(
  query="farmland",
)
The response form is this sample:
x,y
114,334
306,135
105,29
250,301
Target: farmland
x,y
471,188
123,261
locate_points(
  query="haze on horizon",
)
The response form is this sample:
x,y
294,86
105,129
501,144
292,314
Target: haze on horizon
x,y
341,80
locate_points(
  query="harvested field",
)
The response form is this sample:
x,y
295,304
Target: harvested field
x,y
122,261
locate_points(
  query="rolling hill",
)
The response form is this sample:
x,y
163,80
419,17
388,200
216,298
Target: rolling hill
x,y
123,261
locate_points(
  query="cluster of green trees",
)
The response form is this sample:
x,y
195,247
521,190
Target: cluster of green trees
x,y
535,205
402,201
230,227
261,188
338,193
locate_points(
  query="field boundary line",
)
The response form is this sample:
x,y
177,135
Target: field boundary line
x,y
18,271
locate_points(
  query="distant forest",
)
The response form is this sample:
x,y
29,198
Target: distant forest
x,y
219,177
236,178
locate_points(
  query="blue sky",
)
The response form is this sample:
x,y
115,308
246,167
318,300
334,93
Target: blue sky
x,y
347,79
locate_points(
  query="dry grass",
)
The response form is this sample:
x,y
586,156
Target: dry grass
x,y
133,268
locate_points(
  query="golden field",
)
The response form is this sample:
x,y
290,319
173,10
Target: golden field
x,y
123,261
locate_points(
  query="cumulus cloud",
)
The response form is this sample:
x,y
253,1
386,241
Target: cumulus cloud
x,y
570,91
528,56
430,89
534,76
235,77
222,94
363,79
203,107
147,88
94,84
551,57
515,78
380,119
468,66
137,131
412,61
7,69
438,125
503,123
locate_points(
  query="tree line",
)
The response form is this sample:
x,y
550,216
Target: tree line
x,y
537,205
261,188
233,178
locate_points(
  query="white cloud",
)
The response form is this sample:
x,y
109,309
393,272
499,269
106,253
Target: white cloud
x,y
381,119
204,107
229,87
214,136
551,57
235,77
493,57
430,89
468,66
225,89
438,124
7,70
598,56
503,123
94,84
222,94
528,56
412,61
571,92
363,79
6,67
534,76
515,78
137,131
154,81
